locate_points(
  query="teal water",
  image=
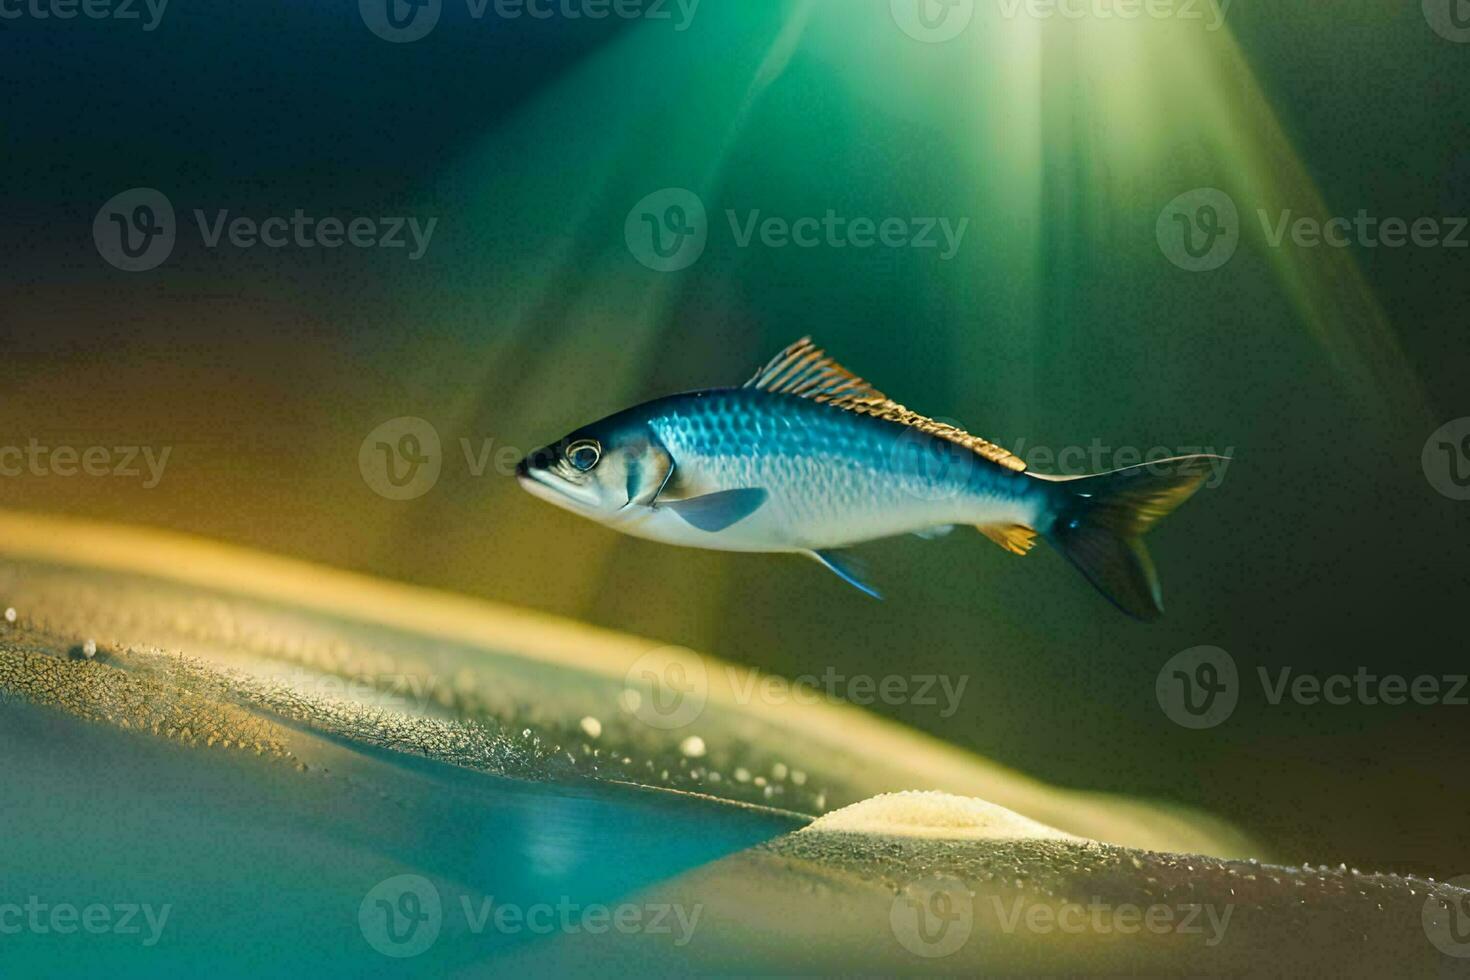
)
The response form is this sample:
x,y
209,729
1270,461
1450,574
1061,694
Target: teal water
x,y
252,868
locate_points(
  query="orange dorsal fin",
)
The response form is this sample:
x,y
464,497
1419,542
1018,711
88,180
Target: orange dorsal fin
x,y
806,371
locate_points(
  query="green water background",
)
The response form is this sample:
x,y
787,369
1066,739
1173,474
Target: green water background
x,y
1058,323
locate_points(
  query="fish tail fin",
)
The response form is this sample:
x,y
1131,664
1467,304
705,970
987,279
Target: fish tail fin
x,y
1098,523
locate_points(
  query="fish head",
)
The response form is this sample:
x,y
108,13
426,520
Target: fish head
x,y
609,471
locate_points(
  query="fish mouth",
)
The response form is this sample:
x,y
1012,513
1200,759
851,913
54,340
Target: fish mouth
x,y
533,481
545,483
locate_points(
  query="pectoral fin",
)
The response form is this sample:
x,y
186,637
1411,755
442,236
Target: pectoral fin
x,y
849,568
717,511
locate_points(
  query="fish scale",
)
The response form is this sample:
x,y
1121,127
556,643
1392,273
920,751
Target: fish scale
x,y
833,477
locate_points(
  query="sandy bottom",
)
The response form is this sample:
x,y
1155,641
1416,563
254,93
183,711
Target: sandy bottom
x,y
282,769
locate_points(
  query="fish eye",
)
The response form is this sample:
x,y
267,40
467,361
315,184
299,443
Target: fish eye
x,y
584,454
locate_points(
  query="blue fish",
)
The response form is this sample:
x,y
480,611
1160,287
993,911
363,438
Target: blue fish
x,y
808,458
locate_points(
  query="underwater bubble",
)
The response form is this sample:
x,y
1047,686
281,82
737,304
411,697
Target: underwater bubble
x,y
693,747
591,726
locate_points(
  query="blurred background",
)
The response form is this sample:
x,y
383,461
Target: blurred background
x,y
1065,317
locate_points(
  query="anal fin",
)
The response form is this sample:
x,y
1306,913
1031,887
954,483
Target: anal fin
x,y
1018,539
847,567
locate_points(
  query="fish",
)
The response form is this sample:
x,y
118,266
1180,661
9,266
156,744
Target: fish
x,y
807,458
